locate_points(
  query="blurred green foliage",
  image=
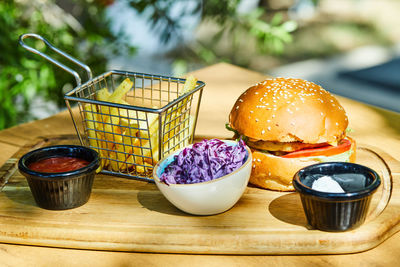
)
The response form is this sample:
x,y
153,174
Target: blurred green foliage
x,y
84,34
333,37
268,34
81,28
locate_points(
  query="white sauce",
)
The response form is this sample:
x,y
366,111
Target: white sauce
x,y
327,184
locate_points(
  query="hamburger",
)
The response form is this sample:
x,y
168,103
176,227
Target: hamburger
x,y
290,124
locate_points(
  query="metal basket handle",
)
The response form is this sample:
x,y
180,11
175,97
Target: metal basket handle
x,y
55,62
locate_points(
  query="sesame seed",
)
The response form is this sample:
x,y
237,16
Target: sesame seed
x,y
273,115
322,114
259,160
256,120
240,100
269,128
337,124
237,107
251,111
262,132
268,120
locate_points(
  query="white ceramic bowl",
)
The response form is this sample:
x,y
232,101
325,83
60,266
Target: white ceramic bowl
x,y
206,198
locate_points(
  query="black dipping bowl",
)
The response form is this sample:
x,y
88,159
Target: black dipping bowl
x,y
337,212
62,190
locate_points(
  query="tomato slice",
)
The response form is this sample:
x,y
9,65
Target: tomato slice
x,y
328,150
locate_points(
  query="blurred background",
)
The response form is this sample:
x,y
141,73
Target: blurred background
x,y
350,47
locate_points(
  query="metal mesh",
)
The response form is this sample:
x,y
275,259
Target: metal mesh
x,y
131,136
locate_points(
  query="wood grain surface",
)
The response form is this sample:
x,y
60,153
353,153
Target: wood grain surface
x,y
373,126
128,215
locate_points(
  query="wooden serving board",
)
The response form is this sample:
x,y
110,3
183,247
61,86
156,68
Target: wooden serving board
x,y
129,215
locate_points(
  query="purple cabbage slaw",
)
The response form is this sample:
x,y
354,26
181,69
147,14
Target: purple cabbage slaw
x,y
204,161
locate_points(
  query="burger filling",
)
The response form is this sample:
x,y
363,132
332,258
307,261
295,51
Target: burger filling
x,y
341,151
278,147
343,157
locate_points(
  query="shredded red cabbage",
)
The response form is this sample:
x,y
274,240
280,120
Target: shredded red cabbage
x,y
204,161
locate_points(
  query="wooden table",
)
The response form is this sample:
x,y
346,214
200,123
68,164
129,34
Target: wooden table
x,y
373,126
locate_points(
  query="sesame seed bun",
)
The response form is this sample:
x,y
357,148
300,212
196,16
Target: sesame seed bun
x,y
289,110
283,115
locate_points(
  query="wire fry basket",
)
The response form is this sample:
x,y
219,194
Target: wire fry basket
x,y
149,116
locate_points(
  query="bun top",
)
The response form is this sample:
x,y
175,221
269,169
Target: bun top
x,y
289,110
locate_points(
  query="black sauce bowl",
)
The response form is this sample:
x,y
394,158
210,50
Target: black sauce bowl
x,y
336,212
61,190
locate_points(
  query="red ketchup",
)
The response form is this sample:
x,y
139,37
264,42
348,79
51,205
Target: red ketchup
x,y
58,164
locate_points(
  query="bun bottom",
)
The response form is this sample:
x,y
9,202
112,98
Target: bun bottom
x,y
276,173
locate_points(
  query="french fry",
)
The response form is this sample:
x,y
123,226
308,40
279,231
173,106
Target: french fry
x,y
113,128
189,85
103,94
91,129
108,120
121,91
104,126
129,139
118,153
180,136
125,149
173,120
141,150
126,152
115,97
103,151
94,136
127,116
90,110
176,120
